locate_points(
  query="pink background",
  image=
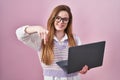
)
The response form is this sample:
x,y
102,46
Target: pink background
x,y
94,20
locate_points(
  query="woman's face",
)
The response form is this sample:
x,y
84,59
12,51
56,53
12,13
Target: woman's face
x,y
61,21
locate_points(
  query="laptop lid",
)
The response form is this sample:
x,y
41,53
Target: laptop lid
x,y
87,54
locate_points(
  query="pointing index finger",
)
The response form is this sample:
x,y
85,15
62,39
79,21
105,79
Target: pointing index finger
x,y
45,37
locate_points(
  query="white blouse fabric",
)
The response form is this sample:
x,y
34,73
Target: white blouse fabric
x,y
60,53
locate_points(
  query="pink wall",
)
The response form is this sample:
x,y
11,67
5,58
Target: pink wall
x,y
94,20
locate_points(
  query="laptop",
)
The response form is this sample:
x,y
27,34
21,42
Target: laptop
x,y
88,54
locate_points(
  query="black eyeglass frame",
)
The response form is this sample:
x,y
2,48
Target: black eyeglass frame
x,y
64,20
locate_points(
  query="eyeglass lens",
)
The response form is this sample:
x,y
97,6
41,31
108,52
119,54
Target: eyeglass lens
x,y
58,19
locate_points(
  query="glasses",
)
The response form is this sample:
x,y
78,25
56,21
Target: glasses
x,y
59,19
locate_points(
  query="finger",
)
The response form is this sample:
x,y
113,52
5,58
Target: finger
x,y
46,31
40,34
85,69
82,72
44,37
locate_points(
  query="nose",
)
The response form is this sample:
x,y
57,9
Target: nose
x,y
61,21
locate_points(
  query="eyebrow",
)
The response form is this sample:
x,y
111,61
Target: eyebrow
x,y
62,17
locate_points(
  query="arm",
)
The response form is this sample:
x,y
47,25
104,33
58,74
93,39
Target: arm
x,y
77,40
31,35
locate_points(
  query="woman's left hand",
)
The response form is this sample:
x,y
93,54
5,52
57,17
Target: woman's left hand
x,y
84,69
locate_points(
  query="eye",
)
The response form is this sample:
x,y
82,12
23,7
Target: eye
x,y
58,17
65,19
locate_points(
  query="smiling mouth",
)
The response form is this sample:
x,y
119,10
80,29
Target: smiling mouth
x,y
60,26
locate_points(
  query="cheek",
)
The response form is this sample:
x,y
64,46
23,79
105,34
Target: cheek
x,y
55,24
65,26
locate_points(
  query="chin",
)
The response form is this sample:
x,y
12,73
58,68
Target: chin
x,y
59,29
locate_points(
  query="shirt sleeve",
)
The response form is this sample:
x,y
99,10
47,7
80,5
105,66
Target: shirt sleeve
x,y
77,40
32,40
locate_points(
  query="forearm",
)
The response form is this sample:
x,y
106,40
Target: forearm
x,y
25,32
29,38
33,29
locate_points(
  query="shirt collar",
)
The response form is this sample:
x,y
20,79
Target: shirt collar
x,y
63,39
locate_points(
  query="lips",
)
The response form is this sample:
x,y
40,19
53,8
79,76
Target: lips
x,y
60,25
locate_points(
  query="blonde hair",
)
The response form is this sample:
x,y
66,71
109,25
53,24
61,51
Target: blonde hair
x,y
47,49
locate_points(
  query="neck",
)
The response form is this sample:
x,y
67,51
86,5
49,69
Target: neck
x,y
59,34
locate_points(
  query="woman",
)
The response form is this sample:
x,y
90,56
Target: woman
x,y
52,43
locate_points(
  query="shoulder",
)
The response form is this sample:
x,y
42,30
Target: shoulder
x,y
77,39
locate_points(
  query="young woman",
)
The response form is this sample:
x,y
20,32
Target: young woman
x,y
52,43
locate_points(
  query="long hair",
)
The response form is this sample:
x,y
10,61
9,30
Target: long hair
x,y
47,49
